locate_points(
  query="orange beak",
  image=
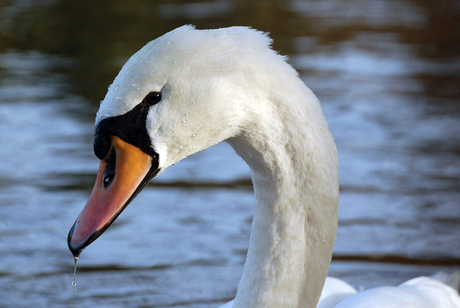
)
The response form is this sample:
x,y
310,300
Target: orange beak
x,y
122,174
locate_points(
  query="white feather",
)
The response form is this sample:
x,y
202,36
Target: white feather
x,y
229,85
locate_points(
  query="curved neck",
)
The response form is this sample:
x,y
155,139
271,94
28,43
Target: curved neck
x,y
293,161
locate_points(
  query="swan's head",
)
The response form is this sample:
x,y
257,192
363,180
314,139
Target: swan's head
x,y
178,95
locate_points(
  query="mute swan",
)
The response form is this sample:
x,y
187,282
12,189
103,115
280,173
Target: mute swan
x,y
191,89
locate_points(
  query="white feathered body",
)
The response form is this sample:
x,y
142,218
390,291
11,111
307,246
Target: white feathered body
x,y
229,85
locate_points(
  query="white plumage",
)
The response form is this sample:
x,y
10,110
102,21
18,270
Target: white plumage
x,y
229,85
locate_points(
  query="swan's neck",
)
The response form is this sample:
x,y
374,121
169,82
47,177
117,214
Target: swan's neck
x,y
293,160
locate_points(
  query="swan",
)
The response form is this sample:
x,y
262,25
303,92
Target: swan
x,y
191,89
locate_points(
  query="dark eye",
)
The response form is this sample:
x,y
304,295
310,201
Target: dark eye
x,y
152,98
109,174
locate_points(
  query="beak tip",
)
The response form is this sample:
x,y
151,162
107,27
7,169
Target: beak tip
x,y
74,248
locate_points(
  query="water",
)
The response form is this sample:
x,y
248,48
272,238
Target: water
x,y
386,72
74,281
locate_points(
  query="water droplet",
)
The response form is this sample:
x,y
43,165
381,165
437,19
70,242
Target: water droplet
x,y
187,113
74,281
176,61
116,87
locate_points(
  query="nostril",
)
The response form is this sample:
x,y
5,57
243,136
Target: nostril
x,y
109,174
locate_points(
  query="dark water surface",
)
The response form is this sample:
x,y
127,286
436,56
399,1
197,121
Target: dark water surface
x,y
386,72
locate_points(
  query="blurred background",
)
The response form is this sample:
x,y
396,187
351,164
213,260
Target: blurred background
x,y
386,71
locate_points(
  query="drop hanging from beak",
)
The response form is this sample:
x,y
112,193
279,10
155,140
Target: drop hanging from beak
x,y
122,174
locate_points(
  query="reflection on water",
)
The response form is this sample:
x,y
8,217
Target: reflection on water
x,y
387,73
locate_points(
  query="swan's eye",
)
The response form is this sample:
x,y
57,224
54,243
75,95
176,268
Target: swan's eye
x,y
152,98
109,174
